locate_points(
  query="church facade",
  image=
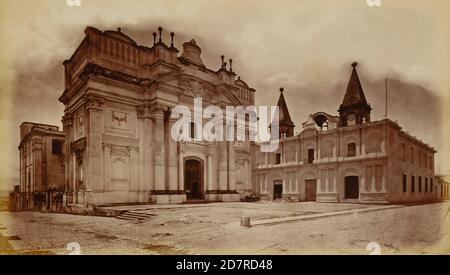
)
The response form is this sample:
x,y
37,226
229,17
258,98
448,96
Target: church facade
x,y
118,102
119,97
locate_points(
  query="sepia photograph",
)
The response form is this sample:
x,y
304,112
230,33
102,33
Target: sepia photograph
x,y
189,128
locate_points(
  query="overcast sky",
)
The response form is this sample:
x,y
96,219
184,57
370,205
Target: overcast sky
x,y
305,46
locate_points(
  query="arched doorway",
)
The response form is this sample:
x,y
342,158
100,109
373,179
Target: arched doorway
x,y
277,189
193,179
351,185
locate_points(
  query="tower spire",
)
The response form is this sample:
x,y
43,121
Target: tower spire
x,y
286,125
354,107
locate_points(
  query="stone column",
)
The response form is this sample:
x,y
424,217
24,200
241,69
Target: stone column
x,y
180,168
93,180
231,166
363,180
363,143
74,172
159,148
173,159
318,148
107,167
296,154
246,173
334,182
327,182
373,183
134,177
383,179
265,184
214,151
145,124
36,177
223,165
67,122
209,183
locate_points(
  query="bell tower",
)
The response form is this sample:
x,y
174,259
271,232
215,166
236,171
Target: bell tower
x,y
354,108
285,123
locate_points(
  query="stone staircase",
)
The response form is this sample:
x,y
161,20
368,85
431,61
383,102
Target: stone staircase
x,y
135,215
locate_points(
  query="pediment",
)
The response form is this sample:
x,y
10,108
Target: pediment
x,y
195,87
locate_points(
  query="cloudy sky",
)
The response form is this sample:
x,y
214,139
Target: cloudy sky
x,y
306,46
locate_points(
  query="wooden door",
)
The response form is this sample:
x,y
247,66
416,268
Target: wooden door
x,y
310,190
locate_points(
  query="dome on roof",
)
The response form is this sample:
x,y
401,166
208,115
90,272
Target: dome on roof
x,y
191,52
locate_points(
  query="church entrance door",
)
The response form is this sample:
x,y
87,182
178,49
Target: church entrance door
x,y
351,187
277,190
310,190
193,179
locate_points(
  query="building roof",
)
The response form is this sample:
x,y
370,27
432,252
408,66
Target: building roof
x,y
354,94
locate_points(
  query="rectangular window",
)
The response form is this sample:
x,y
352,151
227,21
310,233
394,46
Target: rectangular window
x,y
192,132
278,158
426,184
351,149
413,189
310,155
404,184
431,185
56,147
420,184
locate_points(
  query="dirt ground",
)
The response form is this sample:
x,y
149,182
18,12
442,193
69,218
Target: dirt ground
x,y
214,229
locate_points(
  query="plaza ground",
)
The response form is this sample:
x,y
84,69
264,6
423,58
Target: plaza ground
x,y
328,228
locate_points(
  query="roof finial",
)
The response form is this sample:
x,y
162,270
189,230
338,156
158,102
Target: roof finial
x,y
354,64
225,65
154,38
171,37
281,90
222,56
119,29
160,34
231,65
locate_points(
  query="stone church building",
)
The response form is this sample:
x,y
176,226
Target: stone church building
x,y
118,148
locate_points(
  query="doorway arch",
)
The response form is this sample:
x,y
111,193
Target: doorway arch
x,y
193,179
